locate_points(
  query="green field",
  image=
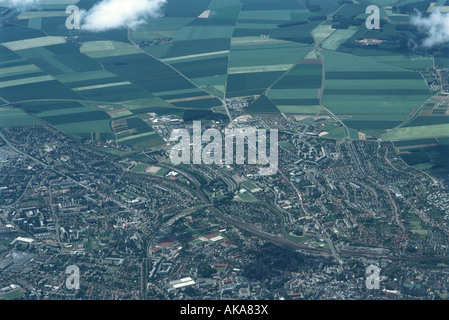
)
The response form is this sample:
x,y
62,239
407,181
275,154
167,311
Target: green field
x,y
23,81
247,197
249,185
263,105
337,38
431,159
298,91
359,86
140,168
418,132
277,52
299,109
297,239
11,117
18,293
33,43
322,32
336,133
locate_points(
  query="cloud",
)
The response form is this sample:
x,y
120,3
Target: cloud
x,y
116,14
436,26
21,5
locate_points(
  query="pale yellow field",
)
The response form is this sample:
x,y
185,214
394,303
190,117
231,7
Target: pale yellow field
x,y
101,86
12,70
253,69
146,134
153,170
322,32
421,132
338,38
103,49
34,43
254,40
20,82
41,14
193,56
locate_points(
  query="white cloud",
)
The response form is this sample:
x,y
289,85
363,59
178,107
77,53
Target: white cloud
x,y
436,26
20,4
116,14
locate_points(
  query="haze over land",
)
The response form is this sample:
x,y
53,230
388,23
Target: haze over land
x,y
89,118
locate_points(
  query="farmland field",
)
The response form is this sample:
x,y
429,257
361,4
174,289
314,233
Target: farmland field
x,y
418,132
247,197
289,56
10,117
337,38
322,32
298,91
430,159
33,43
371,88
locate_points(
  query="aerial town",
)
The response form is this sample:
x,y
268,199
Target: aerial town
x,y
249,150
159,231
